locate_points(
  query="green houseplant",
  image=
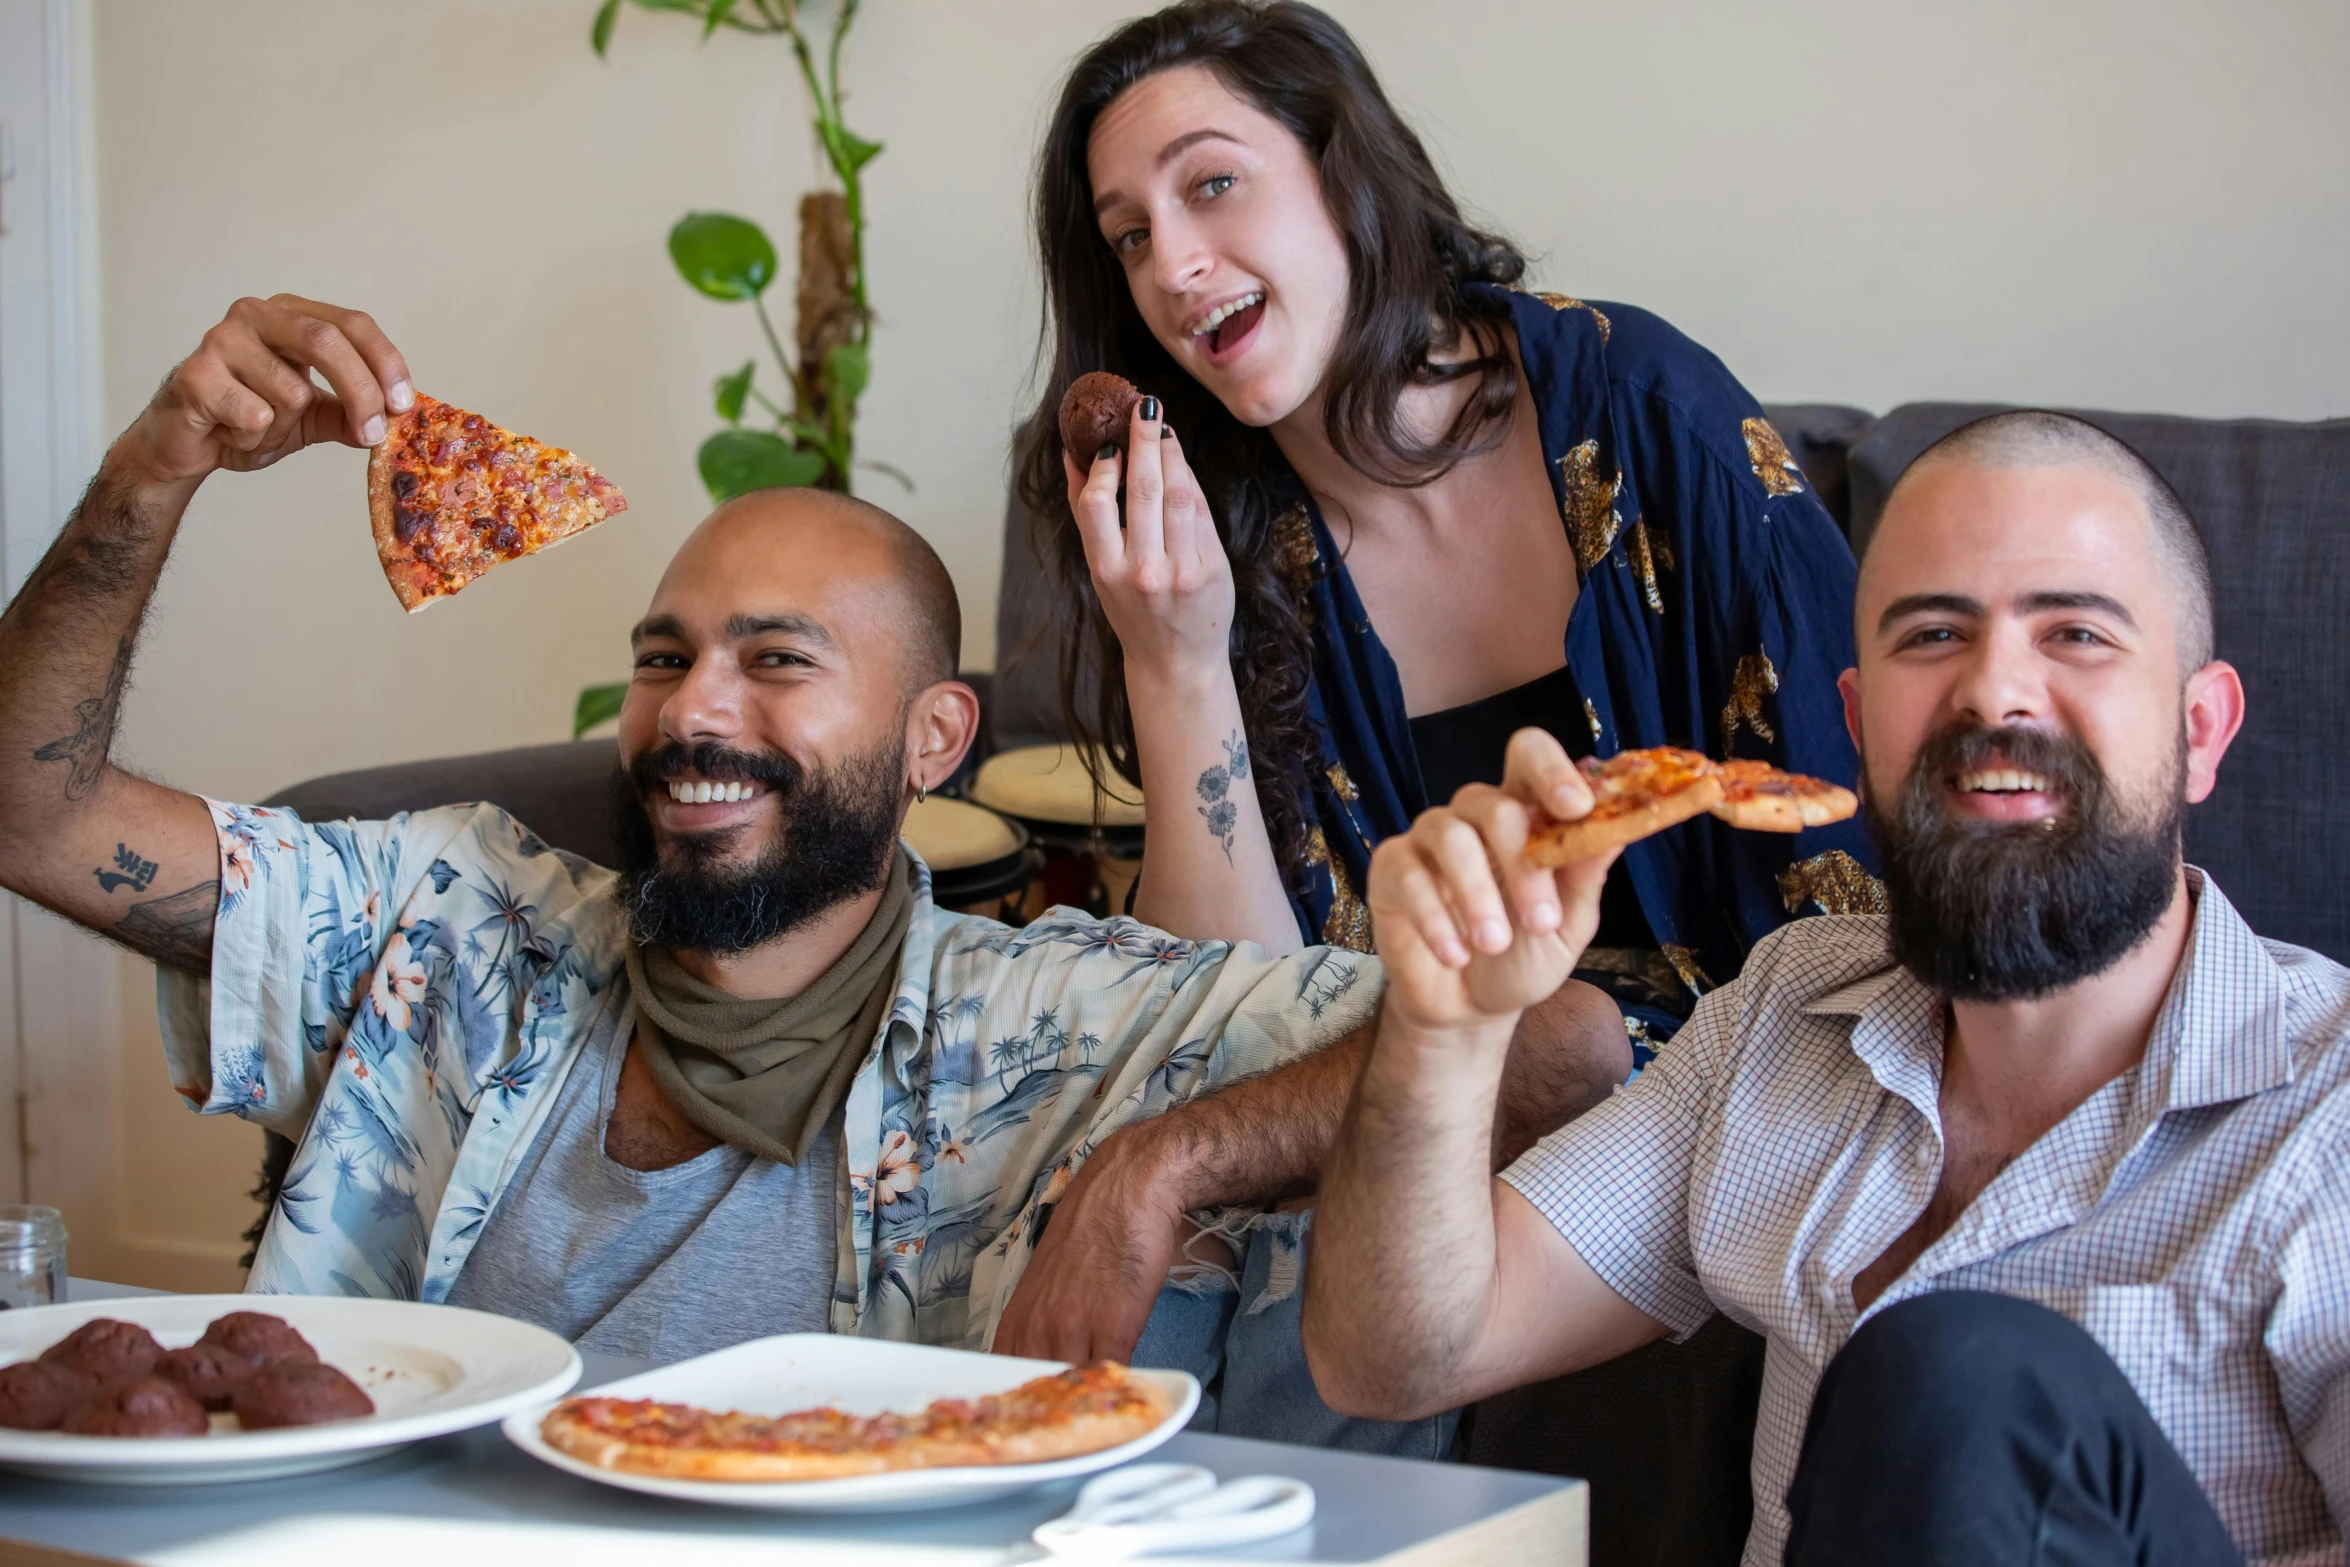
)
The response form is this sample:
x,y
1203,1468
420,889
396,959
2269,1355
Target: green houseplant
x,y
805,433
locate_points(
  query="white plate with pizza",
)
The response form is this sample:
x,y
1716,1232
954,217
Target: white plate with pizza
x,y
825,1423
403,1371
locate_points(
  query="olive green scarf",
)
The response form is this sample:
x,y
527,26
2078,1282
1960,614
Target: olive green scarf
x,y
767,1075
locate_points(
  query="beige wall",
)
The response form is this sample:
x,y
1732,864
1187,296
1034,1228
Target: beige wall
x,y
2124,203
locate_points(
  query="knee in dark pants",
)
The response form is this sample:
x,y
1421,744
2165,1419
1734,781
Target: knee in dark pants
x,y
1969,1427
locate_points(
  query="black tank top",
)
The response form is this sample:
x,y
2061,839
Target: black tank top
x,y
1465,745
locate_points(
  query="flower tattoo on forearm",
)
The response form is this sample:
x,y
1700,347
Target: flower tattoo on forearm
x,y
1215,791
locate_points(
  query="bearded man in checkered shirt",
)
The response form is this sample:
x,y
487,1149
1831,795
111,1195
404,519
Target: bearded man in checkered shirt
x,y
2035,1184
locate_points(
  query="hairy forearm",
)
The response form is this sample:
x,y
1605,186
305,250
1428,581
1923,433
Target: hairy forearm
x,y
1403,1273
1208,870
1271,1137
76,833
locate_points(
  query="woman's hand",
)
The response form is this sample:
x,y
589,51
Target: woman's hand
x,y
1470,932
1163,577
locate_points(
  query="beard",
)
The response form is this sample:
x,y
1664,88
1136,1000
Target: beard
x,y
835,841
2010,911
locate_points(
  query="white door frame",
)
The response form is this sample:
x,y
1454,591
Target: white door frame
x,y
59,990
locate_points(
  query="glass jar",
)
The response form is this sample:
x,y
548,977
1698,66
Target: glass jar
x,y
32,1256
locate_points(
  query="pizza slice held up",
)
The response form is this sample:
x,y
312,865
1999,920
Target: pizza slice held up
x,y
1639,793
452,496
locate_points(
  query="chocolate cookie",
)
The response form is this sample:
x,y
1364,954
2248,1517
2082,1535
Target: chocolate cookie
x,y
139,1406
106,1350
1095,413
263,1339
292,1393
37,1395
208,1373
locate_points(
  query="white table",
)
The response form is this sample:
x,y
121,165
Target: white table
x,y
474,1497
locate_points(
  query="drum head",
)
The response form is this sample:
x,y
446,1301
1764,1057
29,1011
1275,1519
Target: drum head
x,y
1048,783
954,835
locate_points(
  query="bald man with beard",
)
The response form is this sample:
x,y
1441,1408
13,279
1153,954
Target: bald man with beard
x,y
2037,1184
751,1080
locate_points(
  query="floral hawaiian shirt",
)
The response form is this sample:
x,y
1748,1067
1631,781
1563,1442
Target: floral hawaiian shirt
x,y
403,999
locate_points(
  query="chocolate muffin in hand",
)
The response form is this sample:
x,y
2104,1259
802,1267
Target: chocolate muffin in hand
x,y
37,1395
208,1373
1095,412
106,1350
293,1393
139,1406
261,1338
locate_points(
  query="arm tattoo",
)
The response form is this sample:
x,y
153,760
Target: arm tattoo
x,y
85,749
175,931
129,871
1215,791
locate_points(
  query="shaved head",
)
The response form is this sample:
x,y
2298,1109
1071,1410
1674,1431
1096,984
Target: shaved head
x,y
801,519
2036,438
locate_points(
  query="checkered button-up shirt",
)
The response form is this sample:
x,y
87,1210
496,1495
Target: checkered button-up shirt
x,y
2193,1214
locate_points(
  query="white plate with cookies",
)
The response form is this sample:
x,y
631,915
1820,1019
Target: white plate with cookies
x,y
424,1371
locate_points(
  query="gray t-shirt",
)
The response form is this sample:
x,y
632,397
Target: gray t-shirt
x,y
659,1264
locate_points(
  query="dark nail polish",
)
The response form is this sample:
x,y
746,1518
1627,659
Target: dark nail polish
x,y
1150,408
1166,430
1110,450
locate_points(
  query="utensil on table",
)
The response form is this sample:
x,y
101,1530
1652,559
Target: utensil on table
x,y
1147,1509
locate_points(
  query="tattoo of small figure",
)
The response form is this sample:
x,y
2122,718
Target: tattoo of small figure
x,y
85,749
175,931
1215,790
129,871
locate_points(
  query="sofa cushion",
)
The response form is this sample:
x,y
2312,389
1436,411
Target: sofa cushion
x,y
1820,437
2273,500
557,791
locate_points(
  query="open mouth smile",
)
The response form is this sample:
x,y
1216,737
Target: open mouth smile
x,y
2006,794
1222,329
701,791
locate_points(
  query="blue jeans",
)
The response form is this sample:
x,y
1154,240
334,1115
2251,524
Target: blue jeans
x,y
1245,1342
1964,1427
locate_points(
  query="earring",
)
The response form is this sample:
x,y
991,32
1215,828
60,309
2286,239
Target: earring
x,y
921,792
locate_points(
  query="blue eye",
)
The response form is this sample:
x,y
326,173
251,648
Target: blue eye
x,y
1216,184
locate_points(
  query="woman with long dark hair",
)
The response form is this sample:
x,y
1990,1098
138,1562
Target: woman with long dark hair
x,y
1380,508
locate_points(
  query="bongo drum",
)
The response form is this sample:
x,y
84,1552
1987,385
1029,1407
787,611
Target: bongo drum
x,y
1091,856
979,862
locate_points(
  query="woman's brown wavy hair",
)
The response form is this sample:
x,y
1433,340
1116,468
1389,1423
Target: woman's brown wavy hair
x,y
1411,258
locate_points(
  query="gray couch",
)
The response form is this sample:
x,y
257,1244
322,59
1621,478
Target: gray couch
x,y
1664,1434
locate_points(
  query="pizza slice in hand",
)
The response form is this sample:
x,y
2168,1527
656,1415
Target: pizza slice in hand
x,y
452,495
1633,794
1638,793
1761,798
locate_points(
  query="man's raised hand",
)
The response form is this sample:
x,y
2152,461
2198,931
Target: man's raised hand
x,y
1470,933
246,397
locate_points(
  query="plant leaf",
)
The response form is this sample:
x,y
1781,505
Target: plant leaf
x,y
847,369
724,256
861,151
848,151
736,462
596,704
717,17
600,35
732,389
